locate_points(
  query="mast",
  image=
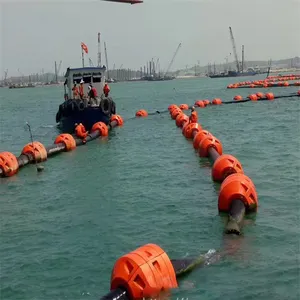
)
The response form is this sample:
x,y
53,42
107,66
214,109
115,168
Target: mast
x,y
105,52
99,50
242,59
82,57
55,70
234,50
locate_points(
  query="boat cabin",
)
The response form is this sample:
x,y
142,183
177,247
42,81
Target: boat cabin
x,y
93,75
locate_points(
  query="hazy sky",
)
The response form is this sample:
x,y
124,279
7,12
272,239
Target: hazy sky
x,y
35,33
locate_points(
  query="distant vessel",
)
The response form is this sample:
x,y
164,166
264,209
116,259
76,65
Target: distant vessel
x,y
21,86
157,78
233,74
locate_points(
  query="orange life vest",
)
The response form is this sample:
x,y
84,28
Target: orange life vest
x,y
81,93
75,91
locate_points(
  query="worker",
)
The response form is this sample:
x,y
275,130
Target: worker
x,y
193,116
93,96
80,131
81,91
106,89
75,91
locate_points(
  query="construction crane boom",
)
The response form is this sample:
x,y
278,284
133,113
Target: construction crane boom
x,y
173,58
234,50
106,60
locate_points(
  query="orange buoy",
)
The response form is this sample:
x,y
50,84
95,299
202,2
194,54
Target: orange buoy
x,y
207,143
175,112
253,97
37,150
260,95
118,119
270,96
199,137
181,119
238,97
144,272
190,129
141,113
67,139
172,106
183,106
200,103
224,166
237,186
8,164
80,131
217,101
101,127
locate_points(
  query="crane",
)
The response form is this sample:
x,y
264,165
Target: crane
x,y
91,62
170,65
106,60
234,50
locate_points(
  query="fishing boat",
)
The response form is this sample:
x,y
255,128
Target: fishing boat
x,y
73,111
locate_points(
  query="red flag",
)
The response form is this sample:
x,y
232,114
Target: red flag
x,y
84,48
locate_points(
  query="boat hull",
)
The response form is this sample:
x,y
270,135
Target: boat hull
x,y
233,74
88,117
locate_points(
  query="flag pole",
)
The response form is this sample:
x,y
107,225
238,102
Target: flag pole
x,y
82,56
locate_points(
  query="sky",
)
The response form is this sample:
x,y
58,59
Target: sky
x,y
33,34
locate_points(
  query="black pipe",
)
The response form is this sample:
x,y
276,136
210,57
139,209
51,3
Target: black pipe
x,y
213,153
235,217
55,148
117,294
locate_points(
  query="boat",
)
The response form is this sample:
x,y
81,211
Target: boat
x,y
21,86
233,74
73,111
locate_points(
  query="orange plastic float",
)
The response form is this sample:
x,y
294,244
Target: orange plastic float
x,y
8,164
238,98
144,273
172,106
190,129
118,119
199,137
80,131
224,166
67,139
183,106
200,103
101,127
217,101
141,113
181,119
37,150
253,97
270,96
207,143
237,187
175,112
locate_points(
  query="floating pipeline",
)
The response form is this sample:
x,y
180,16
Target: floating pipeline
x,y
270,79
237,195
147,272
264,85
37,152
216,101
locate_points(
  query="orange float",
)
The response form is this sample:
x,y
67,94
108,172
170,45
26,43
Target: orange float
x,y
270,96
200,103
253,97
172,106
175,112
101,127
210,142
260,95
144,273
37,150
8,164
183,106
238,97
224,166
237,187
141,113
181,119
216,101
118,119
199,137
190,129
67,139
80,131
